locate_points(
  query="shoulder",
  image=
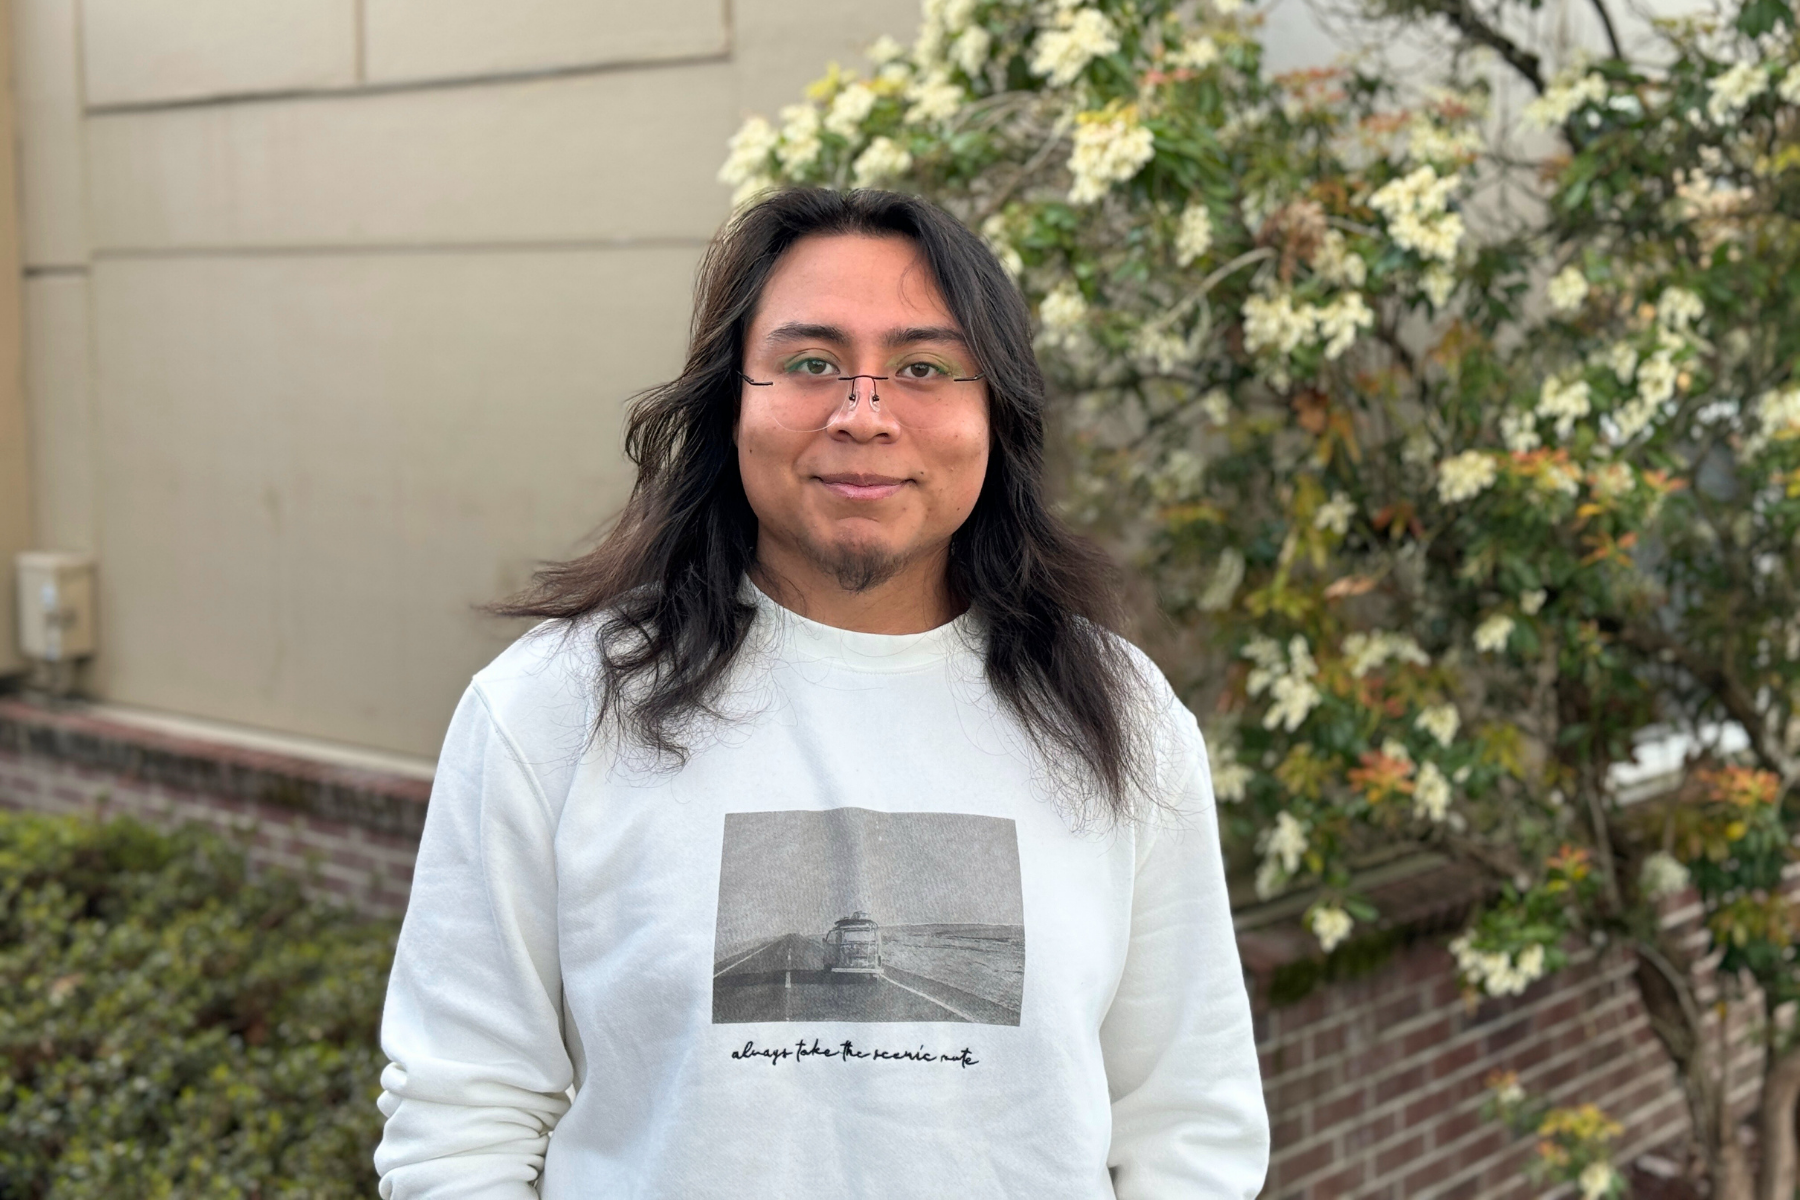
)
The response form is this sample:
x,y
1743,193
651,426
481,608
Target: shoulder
x,y
1153,696
1179,773
540,691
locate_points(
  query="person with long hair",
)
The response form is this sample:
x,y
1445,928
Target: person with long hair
x,y
825,838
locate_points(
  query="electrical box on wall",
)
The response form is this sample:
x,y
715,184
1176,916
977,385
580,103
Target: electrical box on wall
x,y
56,605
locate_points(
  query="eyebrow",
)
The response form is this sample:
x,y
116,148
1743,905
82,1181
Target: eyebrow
x,y
798,331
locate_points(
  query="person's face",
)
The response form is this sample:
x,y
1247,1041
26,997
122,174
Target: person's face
x,y
873,492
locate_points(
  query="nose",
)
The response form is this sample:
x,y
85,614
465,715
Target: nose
x,y
862,416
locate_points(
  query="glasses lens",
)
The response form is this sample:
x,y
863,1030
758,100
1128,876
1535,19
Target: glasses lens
x,y
924,396
805,402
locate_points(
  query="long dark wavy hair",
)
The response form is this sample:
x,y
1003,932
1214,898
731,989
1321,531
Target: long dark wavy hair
x,y
665,584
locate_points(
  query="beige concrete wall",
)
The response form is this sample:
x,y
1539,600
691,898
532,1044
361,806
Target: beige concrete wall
x,y
330,307
15,445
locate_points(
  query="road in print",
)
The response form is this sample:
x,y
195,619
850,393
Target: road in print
x,y
848,914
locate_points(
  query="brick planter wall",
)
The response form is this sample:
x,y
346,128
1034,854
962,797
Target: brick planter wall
x,y
1374,1084
351,834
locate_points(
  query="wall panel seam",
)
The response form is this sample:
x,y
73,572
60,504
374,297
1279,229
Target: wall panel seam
x,y
353,249
403,86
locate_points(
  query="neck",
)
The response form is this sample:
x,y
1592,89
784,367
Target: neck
x,y
914,599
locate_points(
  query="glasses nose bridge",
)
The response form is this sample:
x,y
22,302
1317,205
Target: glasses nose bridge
x,y
847,408
875,382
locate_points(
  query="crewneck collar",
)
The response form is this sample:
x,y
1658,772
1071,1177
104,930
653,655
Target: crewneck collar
x,y
797,639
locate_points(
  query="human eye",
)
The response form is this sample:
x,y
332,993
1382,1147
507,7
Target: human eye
x,y
812,366
923,371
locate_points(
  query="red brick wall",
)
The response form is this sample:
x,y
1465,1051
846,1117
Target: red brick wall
x,y
347,833
1375,1086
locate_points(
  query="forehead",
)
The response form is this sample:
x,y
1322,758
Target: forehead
x,y
861,283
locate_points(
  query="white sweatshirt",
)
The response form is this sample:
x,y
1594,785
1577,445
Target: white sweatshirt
x,y
853,948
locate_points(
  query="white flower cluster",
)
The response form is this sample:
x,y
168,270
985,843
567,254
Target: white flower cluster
x,y
1789,88
1559,476
942,21
1225,581
1414,207
1595,1180
1331,925
1230,778
1662,875
1612,480
885,159
1339,321
800,143
1564,402
1777,416
993,231
1163,348
1532,602
1287,677
1568,289
1437,284
884,50
970,50
1622,357
1677,309
1334,263
1334,515
1196,54
746,166
932,97
1495,973
1493,633
1657,377
1733,89
849,109
1431,793
1569,91
1465,476
1063,314
1283,844
1367,651
1081,36
1428,141
1441,721
1277,323
1193,234
1109,149
1519,431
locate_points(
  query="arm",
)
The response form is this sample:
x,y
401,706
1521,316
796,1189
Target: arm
x,y
472,1025
1188,1115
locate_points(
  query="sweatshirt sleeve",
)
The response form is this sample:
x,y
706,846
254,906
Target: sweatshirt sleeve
x,y
1188,1115
479,1072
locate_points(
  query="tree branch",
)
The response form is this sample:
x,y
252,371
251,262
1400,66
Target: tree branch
x,y
1612,35
1716,678
1781,1090
1462,15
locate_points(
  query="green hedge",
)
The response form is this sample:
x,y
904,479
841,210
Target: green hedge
x,y
172,1028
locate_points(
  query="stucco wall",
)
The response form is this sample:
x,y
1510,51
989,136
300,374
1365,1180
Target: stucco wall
x,y
331,306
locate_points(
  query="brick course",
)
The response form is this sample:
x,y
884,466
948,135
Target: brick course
x,y
350,834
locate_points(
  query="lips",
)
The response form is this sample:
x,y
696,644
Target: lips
x,y
855,486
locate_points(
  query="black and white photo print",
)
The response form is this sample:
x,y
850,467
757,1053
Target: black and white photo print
x,y
853,915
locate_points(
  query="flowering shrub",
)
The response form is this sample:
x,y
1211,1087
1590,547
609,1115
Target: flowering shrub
x,y
172,1029
1574,1144
1452,513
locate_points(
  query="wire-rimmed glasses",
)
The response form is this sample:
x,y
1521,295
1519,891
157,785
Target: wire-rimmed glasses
x,y
919,395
